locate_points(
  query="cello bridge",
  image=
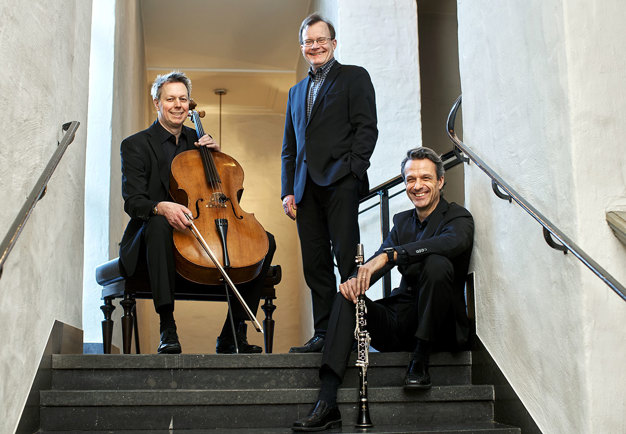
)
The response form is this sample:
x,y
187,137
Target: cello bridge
x,y
218,200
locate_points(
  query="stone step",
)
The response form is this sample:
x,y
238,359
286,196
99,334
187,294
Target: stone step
x,y
210,409
416,428
250,371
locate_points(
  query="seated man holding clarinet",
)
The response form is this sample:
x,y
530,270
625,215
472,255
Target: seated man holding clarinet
x,y
431,245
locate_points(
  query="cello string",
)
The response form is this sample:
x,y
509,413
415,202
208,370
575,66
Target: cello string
x,y
210,168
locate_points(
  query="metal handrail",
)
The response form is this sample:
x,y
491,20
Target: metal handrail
x,y
549,229
38,191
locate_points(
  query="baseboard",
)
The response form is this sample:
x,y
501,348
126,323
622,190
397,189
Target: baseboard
x,y
63,339
508,408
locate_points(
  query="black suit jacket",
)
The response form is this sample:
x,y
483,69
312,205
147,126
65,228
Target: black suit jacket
x,y
145,182
449,233
339,137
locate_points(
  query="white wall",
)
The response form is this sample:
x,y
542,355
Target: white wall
x,y
46,84
98,162
543,91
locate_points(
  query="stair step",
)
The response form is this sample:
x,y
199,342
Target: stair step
x,y
211,371
417,428
255,396
189,361
187,409
255,393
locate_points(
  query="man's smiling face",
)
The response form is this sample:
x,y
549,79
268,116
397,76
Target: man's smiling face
x,y
422,186
173,106
318,54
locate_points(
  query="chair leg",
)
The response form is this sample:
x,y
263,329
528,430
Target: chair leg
x,y
107,325
268,324
127,322
136,327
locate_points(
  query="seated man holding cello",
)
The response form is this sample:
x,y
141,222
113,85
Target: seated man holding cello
x,y
154,217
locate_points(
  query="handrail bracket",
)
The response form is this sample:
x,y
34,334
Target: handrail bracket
x,y
547,235
496,189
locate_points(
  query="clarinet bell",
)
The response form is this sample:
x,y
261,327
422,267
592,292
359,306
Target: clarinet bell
x,y
363,419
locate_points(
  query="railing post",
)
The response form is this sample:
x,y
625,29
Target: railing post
x,y
384,230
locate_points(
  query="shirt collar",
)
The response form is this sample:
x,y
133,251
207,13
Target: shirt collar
x,y
164,135
438,209
322,70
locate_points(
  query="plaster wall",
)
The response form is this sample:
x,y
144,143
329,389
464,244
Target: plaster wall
x,y
97,163
539,83
41,280
129,86
129,115
596,60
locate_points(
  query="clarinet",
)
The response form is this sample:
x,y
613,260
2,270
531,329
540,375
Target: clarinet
x,y
362,360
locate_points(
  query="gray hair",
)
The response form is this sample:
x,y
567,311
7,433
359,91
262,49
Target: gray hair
x,y
312,19
172,77
420,154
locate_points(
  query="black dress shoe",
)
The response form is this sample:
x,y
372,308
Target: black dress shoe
x,y
417,376
225,344
169,342
314,345
320,418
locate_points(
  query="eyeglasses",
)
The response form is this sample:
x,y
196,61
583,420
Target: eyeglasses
x,y
320,41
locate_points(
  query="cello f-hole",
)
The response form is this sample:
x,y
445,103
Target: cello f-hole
x,y
197,208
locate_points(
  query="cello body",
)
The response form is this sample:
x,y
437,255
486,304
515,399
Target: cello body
x,y
237,239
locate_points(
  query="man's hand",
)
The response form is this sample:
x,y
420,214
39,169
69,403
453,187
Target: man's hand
x,y
356,286
174,213
208,141
289,206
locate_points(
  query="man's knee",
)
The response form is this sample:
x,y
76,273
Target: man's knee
x,y
434,268
157,226
437,266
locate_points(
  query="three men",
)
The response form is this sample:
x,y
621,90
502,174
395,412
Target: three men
x,y
146,160
431,245
330,134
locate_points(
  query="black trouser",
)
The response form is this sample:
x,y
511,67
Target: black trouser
x,y
159,248
424,311
327,220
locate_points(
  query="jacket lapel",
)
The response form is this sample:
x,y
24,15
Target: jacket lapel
x,y
435,219
300,100
164,170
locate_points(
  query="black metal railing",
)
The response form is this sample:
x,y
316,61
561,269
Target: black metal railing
x,y
38,191
450,159
505,192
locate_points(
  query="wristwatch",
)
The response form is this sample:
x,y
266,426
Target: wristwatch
x,y
391,253
155,210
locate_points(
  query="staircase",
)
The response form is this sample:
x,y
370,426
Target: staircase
x,y
260,393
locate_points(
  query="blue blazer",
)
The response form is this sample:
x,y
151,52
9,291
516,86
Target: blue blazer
x,y
339,137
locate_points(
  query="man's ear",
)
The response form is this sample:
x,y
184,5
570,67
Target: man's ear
x,y
156,104
440,183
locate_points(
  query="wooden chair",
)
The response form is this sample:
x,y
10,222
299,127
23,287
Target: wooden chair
x,y
115,284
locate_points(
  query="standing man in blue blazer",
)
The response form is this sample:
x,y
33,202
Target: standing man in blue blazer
x,y
330,134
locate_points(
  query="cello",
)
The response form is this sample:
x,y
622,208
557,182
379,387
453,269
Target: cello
x,y
234,237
